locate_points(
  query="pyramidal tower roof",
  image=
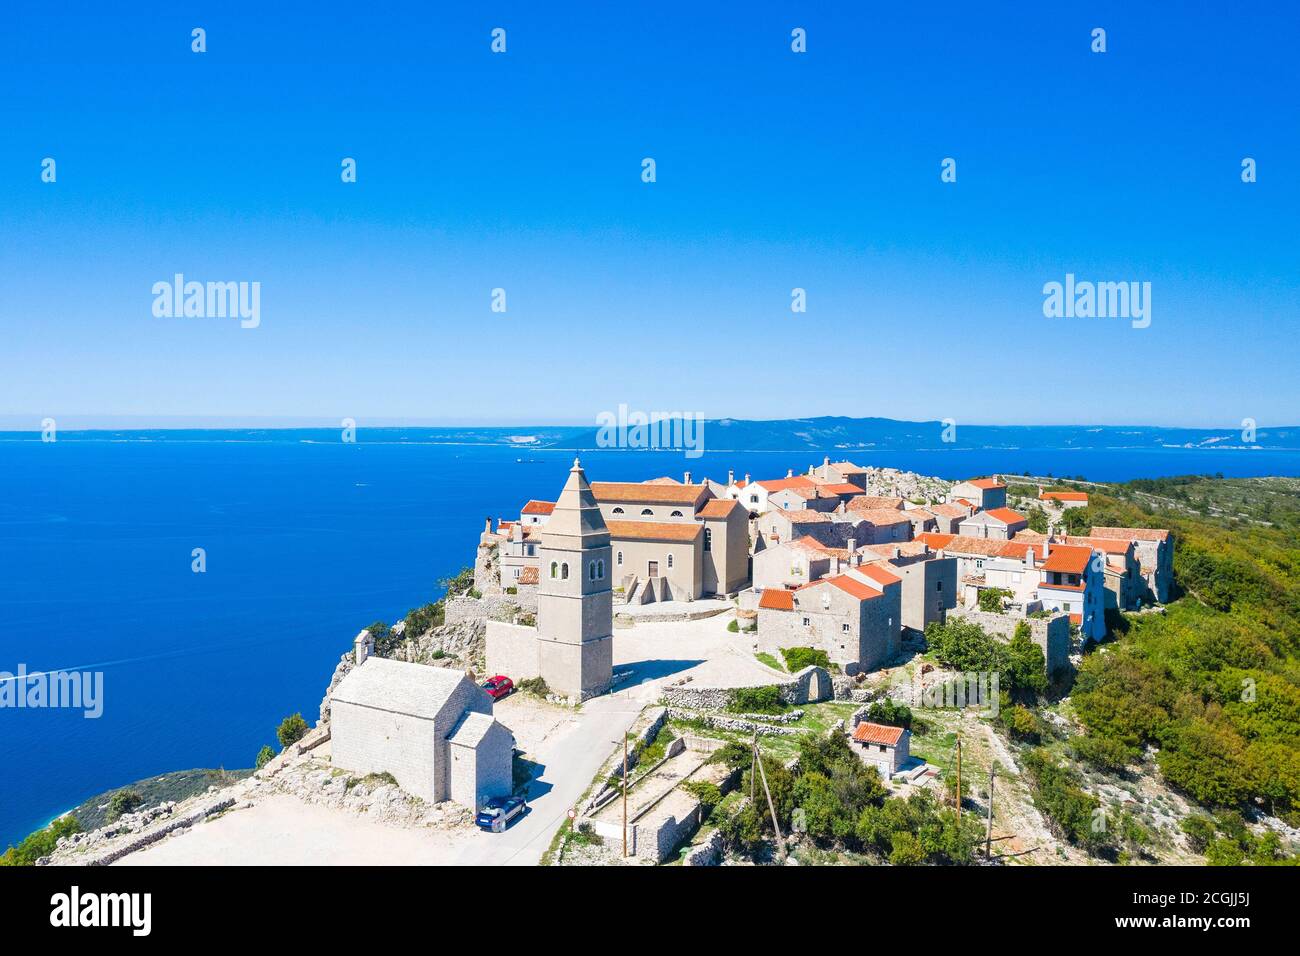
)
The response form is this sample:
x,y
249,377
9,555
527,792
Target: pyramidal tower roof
x,y
576,522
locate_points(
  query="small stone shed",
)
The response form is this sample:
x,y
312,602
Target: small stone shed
x,y
881,746
430,727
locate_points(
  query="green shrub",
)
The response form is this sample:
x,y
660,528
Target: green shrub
x,y
890,713
1021,723
707,793
734,627
533,685
1105,753
264,756
462,583
40,843
1200,831
421,620
292,729
990,599
123,801
797,658
756,700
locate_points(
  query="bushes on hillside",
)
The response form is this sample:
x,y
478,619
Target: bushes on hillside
x,y
756,700
797,658
41,843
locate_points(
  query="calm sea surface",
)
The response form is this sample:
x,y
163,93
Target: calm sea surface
x,y
307,541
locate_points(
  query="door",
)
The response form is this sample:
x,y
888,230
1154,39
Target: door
x,y
653,569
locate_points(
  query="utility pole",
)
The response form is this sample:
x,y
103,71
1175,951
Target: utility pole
x,y
959,781
625,796
753,767
776,826
988,834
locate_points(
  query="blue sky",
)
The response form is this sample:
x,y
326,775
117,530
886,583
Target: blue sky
x,y
775,170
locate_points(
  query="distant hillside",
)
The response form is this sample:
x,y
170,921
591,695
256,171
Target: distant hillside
x,y
827,433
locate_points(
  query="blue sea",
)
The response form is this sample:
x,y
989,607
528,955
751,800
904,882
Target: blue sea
x,y
307,541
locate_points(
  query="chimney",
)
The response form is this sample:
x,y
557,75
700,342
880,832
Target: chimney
x,y
826,461
789,472
1029,556
731,477
487,525
686,479
852,547
896,552
746,477
516,532
1047,548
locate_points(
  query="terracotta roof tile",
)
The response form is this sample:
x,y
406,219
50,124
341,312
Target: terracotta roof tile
x,y
781,484
528,576
1005,515
883,516
880,575
983,484
949,511
718,508
539,507
867,502
1067,559
641,492
655,530
777,599
850,586
937,541
869,733
1064,496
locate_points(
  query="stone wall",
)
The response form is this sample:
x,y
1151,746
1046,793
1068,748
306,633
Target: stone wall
x,y
810,685
1052,635
496,607
512,651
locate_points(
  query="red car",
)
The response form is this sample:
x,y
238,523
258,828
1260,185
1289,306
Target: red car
x,y
498,687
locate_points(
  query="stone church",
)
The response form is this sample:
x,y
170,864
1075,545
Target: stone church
x,y
572,645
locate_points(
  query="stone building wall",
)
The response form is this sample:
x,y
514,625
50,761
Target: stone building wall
x,y
1052,635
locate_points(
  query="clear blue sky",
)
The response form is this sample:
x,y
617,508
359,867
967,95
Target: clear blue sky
x,y
775,170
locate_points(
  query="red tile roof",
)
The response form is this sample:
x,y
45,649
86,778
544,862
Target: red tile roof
x,y
968,504
781,484
850,586
1018,549
641,492
1067,559
935,540
962,544
863,502
869,733
879,575
839,488
655,530
527,576
777,599
539,507
718,508
1109,545
1005,515
1064,496
983,484
949,511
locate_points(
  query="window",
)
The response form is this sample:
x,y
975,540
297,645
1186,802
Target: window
x,y
554,566
564,571
806,622
882,748
675,514
647,511
938,585
708,539
753,499
844,628
618,511
979,563
591,570
532,549
600,570
670,560
618,559
517,570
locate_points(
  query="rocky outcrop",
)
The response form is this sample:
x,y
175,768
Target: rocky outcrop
x,y
461,644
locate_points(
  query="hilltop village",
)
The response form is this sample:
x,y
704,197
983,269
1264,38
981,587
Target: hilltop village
x,y
628,661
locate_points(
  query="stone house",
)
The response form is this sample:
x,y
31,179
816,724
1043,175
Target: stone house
x,y
884,525
753,495
1072,581
841,472
929,589
536,512
854,617
791,564
1063,499
984,493
947,517
430,727
1155,552
1000,524
518,550
1126,588
800,498
658,561
922,520
881,746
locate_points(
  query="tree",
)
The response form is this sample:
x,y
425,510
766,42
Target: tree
x,y
264,756
990,599
123,801
292,729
